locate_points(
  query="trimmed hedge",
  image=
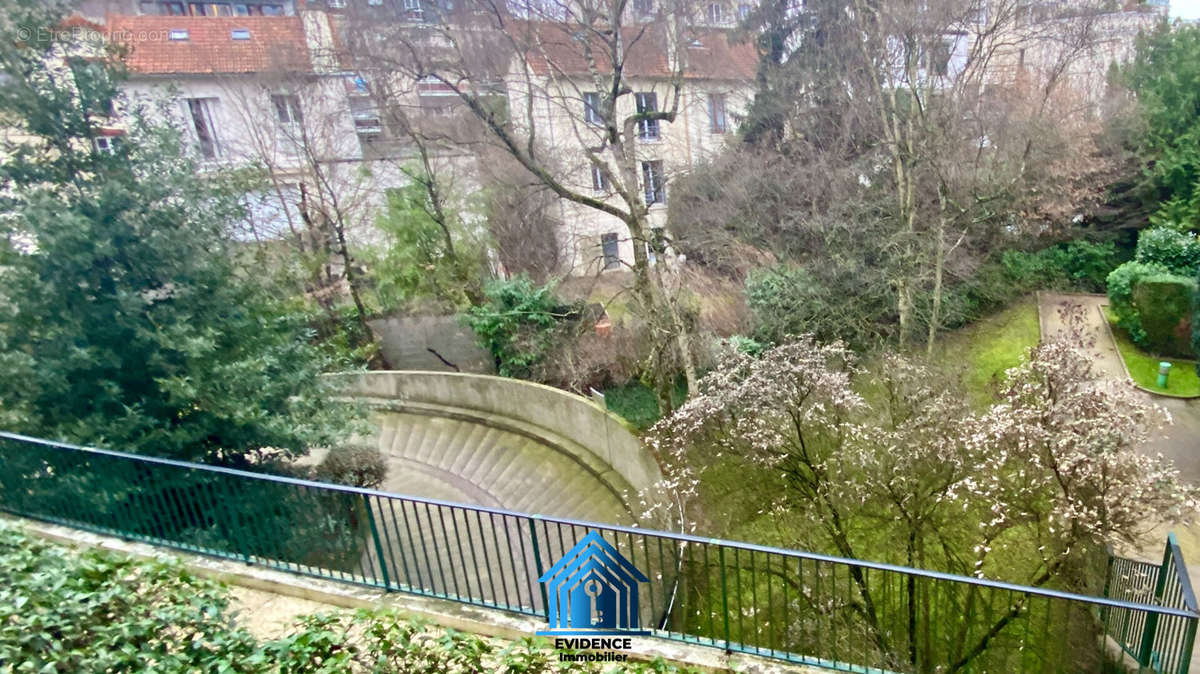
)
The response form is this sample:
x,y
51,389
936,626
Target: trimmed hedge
x,y
1120,294
1163,303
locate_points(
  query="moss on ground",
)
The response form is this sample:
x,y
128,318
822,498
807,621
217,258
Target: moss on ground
x,y
981,352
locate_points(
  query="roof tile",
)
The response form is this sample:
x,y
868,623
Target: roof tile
x,y
276,44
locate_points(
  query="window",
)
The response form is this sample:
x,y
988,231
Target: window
x,y
174,8
106,144
591,108
240,34
336,4
643,7
612,254
652,182
716,13
375,3
716,113
940,58
287,108
744,11
647,102
200,110
599,179
177,34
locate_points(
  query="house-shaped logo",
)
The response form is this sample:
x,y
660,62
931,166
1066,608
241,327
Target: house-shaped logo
x,y
593,589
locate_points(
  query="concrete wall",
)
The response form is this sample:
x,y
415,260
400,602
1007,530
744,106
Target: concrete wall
x,y
406,342
571,423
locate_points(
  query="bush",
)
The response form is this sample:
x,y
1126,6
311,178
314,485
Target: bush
x,y
353,465
788,300
1177,251
1163,303
519,324
1120,294
67,611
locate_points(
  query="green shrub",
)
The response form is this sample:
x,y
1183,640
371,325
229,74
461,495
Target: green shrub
x,y
1120,295
353,465
1176,250
1163,303
518,325
68,611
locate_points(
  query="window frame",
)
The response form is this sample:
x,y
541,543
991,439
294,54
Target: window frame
x,y
611,260
600,180
715,98
654,184
287,109
647,129
204,130
591,108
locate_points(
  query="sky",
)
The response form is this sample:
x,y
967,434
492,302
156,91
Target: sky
x,y
1185,9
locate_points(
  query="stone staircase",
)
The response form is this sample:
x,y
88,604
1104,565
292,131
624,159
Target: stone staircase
x,y
462,553
466,461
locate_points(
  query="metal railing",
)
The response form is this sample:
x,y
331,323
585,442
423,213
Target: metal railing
x,y
1158,641
795,606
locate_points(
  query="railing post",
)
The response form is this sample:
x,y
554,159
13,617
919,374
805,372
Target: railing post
x,y
387,583
537,562
725,592
1150,628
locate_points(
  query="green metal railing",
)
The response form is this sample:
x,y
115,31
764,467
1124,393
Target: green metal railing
x,y
1160,642
795,606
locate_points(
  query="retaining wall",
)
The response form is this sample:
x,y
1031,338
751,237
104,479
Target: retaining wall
x,y
600,440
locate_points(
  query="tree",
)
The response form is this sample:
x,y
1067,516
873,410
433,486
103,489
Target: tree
x,y
921,133
543,58
890,465
128,314
1165,78
296,125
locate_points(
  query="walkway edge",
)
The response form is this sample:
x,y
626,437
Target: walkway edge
x,y
1121,357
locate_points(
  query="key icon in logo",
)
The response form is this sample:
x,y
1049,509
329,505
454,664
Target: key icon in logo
x,y
593,588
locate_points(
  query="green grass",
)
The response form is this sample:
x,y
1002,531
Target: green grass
x,y
1143,367
981,352
635,402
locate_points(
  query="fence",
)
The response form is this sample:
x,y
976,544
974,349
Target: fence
x,y
1159,641
794,606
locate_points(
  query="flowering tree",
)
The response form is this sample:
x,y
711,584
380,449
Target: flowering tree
x,y
889,464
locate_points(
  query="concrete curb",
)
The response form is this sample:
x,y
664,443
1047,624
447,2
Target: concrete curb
x,y
446,613
1120,356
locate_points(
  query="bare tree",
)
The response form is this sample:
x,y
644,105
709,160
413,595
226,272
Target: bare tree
x,y
556,86
320,203
955,123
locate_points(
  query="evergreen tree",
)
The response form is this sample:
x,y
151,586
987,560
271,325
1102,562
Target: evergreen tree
x,y
126,319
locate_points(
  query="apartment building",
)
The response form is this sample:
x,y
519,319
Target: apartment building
x,y
266,82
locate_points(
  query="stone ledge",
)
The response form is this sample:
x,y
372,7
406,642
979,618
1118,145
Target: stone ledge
x,y
462,617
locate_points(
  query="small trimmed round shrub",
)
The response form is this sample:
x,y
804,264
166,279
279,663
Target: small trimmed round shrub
x,y
353,465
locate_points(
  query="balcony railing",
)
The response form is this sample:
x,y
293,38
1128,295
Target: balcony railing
x,y
794,606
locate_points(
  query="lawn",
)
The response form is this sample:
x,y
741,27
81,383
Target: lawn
x,y
981,352
1143,367
636,403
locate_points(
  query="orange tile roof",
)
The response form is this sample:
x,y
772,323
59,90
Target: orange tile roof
x,y
711,54
276,44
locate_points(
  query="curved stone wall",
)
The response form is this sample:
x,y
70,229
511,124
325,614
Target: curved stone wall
x,y
598,440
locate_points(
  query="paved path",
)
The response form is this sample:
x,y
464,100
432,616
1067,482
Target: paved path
x,y
1180,441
